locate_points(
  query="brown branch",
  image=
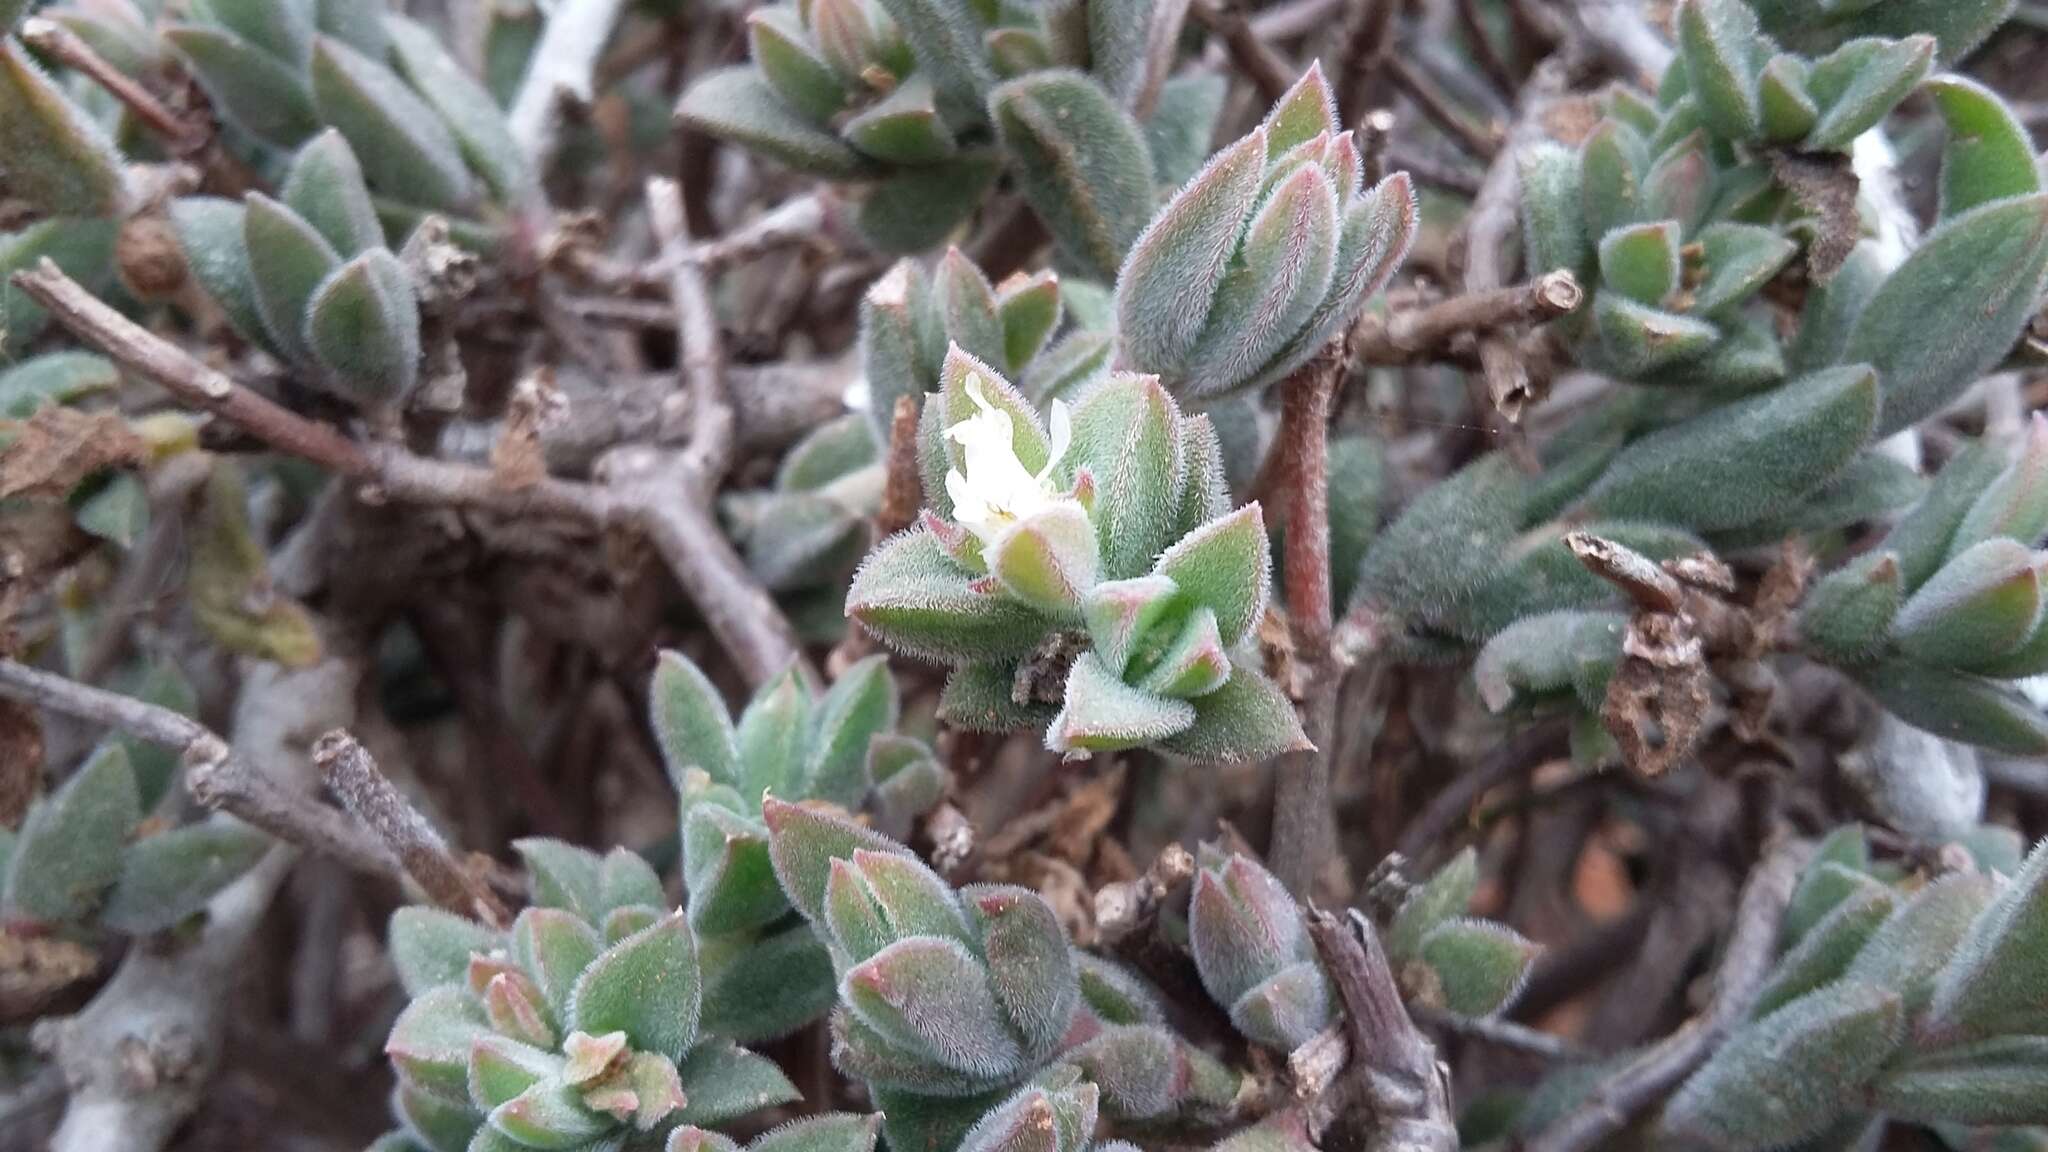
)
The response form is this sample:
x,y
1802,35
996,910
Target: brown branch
x,y
1499,1033
1481,141
1393,1075
1301,800
902,496
352,775
67,48
1523,752
1248,53
158,360
660,494
1491,253
702,352
1415,334
214,775
1361,76
1752,945
1474,26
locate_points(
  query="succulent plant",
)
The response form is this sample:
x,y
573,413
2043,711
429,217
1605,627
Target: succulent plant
x,y
85,861
833,1132
1095,566
1264,256
949,1000
580,1025
1916,1001
926,99
1251,945
432,138
765,974
308,278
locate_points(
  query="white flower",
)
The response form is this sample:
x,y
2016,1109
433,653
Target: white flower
x,y
997,492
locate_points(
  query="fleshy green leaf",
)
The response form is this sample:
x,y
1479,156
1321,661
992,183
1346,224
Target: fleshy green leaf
x,y
171,875
646,986
1080,160
59,161
69,851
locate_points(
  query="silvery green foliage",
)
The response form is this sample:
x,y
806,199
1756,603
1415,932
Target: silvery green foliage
x,y
1088,577
581,1026
1251,946
832,1132
431,136
804,537
1919,1001
1672,214
1822,25
83,862
765,974
1948,605
949,1001
60,162
308,278
1264,256
926,99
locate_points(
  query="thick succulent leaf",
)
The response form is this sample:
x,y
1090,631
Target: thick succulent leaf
x,y
1738,463
1959,25
68,852
690,721
430,947
1538,573
910,593
981,697
929,996
1788,108
773,737
1611,166
737,104
1287,1010
468,109
1641,261
1924,538
1443,897
1915,942
1954,308
2002,1082
646,986
1030,963
1029,308
903,127
1243,928
440,1125
288,263
1992,983
769,988
211,233
54,378
1679,184
1248,719
1639,340
406,149
1540,658
861,705
1847,617
945,37
1168,283
1447,543
1959,707
553,947
1977,608
1739,260
834,1132
1824,954
803,842
1279,277
59,160
171,875
1049,561
1183,122
1989,155
1476,967
1859,83
1195,664
915,208
326,189
114,508
791,62
550,1116
249,88
1080,160
1102,713
1723,49
1126,433
283,29
363,327
727,869
2015,505
430,1042
1554,215
561,875
1792,1074
1373,239
1114,994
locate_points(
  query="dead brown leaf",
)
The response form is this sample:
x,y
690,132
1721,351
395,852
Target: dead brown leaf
x,y
58,447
